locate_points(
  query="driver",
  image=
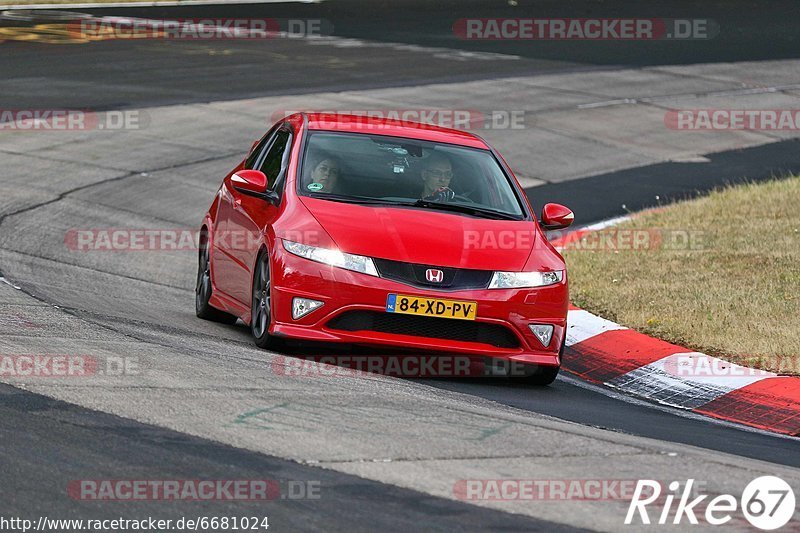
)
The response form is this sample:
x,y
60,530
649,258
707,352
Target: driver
x,y
437,173
324,174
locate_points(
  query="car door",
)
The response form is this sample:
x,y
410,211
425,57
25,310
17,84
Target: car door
x,y
250,215
226,266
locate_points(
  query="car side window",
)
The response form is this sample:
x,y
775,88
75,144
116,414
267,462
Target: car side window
x,y
273,161
258,151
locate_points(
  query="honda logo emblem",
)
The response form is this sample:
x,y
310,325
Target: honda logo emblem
x,y
434,276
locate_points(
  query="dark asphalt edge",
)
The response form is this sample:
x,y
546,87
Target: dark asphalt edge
x,y
659,184
121,448
566,400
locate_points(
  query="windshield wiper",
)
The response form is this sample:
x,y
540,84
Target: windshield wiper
x,y
351,199
455,208
467,209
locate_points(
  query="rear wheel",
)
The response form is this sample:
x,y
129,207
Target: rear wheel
x,y
261,306
203,289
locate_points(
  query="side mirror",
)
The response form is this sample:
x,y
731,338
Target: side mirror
x,y
254,183
556,216
249,181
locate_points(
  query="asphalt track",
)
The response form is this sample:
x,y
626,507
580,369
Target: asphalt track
x,y
130,74
116,447
38,467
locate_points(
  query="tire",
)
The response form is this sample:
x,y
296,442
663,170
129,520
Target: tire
x,y
540,376
202,291
261,304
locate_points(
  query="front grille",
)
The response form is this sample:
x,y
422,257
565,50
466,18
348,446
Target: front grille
x,y
414,274
430,327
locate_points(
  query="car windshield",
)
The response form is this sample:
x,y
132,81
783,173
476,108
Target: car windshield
x,y
375,169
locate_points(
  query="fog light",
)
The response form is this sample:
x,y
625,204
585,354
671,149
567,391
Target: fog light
x,y
543,332
302,306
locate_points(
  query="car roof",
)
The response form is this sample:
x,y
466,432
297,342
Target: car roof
x,y
392,128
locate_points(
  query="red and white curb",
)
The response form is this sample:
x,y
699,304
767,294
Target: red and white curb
x,y
604,352
577,234
601,351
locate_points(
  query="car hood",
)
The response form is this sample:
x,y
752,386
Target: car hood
x,y
426,236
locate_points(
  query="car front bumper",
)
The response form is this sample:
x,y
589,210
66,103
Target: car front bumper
x,y
344,293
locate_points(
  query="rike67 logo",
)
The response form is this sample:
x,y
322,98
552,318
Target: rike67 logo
x,y
767,502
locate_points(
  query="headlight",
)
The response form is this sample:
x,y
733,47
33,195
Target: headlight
x,y
517,280
357,263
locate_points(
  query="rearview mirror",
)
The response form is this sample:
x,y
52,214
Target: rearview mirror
x,y
556,216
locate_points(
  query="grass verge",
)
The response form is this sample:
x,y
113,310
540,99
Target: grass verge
x,y
718,274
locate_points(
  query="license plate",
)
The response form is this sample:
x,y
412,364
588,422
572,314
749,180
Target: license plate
x,y
415,305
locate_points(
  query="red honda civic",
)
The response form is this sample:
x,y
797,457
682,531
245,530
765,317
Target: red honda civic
x,y
349,229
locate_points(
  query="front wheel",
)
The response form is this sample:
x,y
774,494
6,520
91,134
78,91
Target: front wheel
x,y
541,375
261,306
